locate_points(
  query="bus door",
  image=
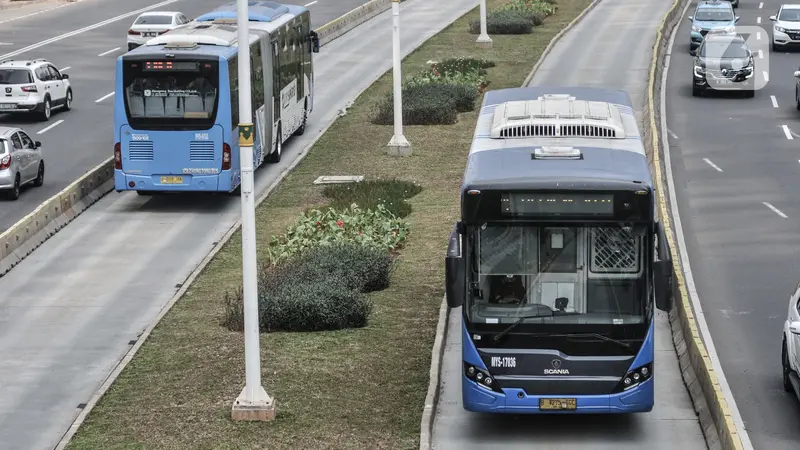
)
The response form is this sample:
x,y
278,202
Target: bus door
x,y
562,265
276,88
301,59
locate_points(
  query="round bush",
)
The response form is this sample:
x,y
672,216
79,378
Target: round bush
x,y
423,104
504,22
358,267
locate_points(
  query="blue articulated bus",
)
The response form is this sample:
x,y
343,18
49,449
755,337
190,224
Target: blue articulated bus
x,y
558,258
176,106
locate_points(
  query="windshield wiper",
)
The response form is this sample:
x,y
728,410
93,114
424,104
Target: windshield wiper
x,y
595,335
499,335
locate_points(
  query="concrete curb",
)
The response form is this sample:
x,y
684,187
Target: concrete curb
x,y
22,238
437,354
696,367
432,398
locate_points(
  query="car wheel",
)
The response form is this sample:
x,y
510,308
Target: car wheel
x,y
774,47
275,157
46,111
787,384
39,175
13,194
750,93
68,100
696,91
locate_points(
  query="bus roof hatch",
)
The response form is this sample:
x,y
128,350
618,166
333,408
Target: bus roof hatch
x,y
557,115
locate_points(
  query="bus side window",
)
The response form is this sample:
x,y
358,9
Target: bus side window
x,y
233,76
256,73
277,80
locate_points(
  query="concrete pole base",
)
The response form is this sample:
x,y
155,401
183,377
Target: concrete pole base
x,y
484,41
399,146
259,409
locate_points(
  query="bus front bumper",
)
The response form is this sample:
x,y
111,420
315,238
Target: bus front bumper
x,y
174,183
515,401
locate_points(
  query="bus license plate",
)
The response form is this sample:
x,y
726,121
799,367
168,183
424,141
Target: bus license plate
x,y
558,403
171,180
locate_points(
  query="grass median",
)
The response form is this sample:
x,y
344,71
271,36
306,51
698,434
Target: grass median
x,y
359,388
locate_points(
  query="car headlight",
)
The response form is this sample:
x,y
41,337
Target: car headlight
x,y
699,70
780,29
730,29
696,28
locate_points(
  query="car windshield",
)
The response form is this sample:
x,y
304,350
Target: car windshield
x,y
15,76
583,275
713,15
789,15
3,146
155,19
724,50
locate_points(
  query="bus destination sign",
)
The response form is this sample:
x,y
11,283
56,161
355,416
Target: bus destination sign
x,y
573,204
171,66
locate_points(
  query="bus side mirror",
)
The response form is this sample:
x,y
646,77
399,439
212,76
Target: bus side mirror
x,y
314,41
662,271
454,268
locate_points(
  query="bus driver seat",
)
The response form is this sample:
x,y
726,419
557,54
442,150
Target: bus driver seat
x,y
506,289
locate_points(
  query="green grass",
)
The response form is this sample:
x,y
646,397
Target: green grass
x,y
369,193
352,389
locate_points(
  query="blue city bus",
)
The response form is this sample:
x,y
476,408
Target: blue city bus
x,y
558,258
176,105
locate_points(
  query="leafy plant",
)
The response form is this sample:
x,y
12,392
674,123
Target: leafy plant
x,y
535,11
369,194
376,227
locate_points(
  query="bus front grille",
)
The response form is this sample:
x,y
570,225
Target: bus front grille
x,y
140,151
201,151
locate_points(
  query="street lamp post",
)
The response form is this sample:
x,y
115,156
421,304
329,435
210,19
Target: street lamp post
x,y
399,145
253,403
484,40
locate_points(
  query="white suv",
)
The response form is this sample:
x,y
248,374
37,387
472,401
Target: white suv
x,y
33,86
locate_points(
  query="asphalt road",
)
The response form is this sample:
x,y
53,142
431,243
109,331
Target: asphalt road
x,y
69,310
617,56
85,137
736,173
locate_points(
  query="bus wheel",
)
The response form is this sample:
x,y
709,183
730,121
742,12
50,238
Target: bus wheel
x,y
302,129
275,157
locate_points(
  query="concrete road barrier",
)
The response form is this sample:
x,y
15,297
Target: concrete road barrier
x,y
25,236
696,367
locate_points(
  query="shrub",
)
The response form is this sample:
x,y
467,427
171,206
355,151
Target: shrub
x,y
464,65
423,104
474,80
369,194
371,227
535,11
320,289
503,22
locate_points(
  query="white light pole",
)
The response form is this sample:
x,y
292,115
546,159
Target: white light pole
x,y
484,40
253,403
399,145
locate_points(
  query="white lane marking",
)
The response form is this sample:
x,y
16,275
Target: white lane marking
x,y
65,69
774,101
115,49
34,13
758,35
766,75
758,19
6,43
45,130
672,133
760,54
104,97
787,132
716,167
775,210
760,5
85,29
312,3
702,324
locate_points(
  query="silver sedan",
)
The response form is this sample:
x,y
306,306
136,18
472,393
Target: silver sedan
x,y
21,161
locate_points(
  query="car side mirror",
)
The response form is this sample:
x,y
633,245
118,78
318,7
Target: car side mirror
x,y
794,327
693,52
690,18
662,271
37,144
736,19
772,18
314,41
64,76
454,268
797,73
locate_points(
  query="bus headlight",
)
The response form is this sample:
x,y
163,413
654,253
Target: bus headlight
x,y
481,378
635,377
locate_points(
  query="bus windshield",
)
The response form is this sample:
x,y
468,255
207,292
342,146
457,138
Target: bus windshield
x,y
171,94
565,274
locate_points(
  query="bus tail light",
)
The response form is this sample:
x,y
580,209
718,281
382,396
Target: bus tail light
x,y
5,163
226,157
117,156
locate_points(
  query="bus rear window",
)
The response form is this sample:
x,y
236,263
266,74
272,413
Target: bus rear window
x,y
171,94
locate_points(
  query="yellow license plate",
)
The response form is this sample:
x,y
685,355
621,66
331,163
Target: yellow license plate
x,y
171,180
558,403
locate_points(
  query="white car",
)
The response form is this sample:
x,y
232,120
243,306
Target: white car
x,y
786,27
151,24
790,348
33,87
21,161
